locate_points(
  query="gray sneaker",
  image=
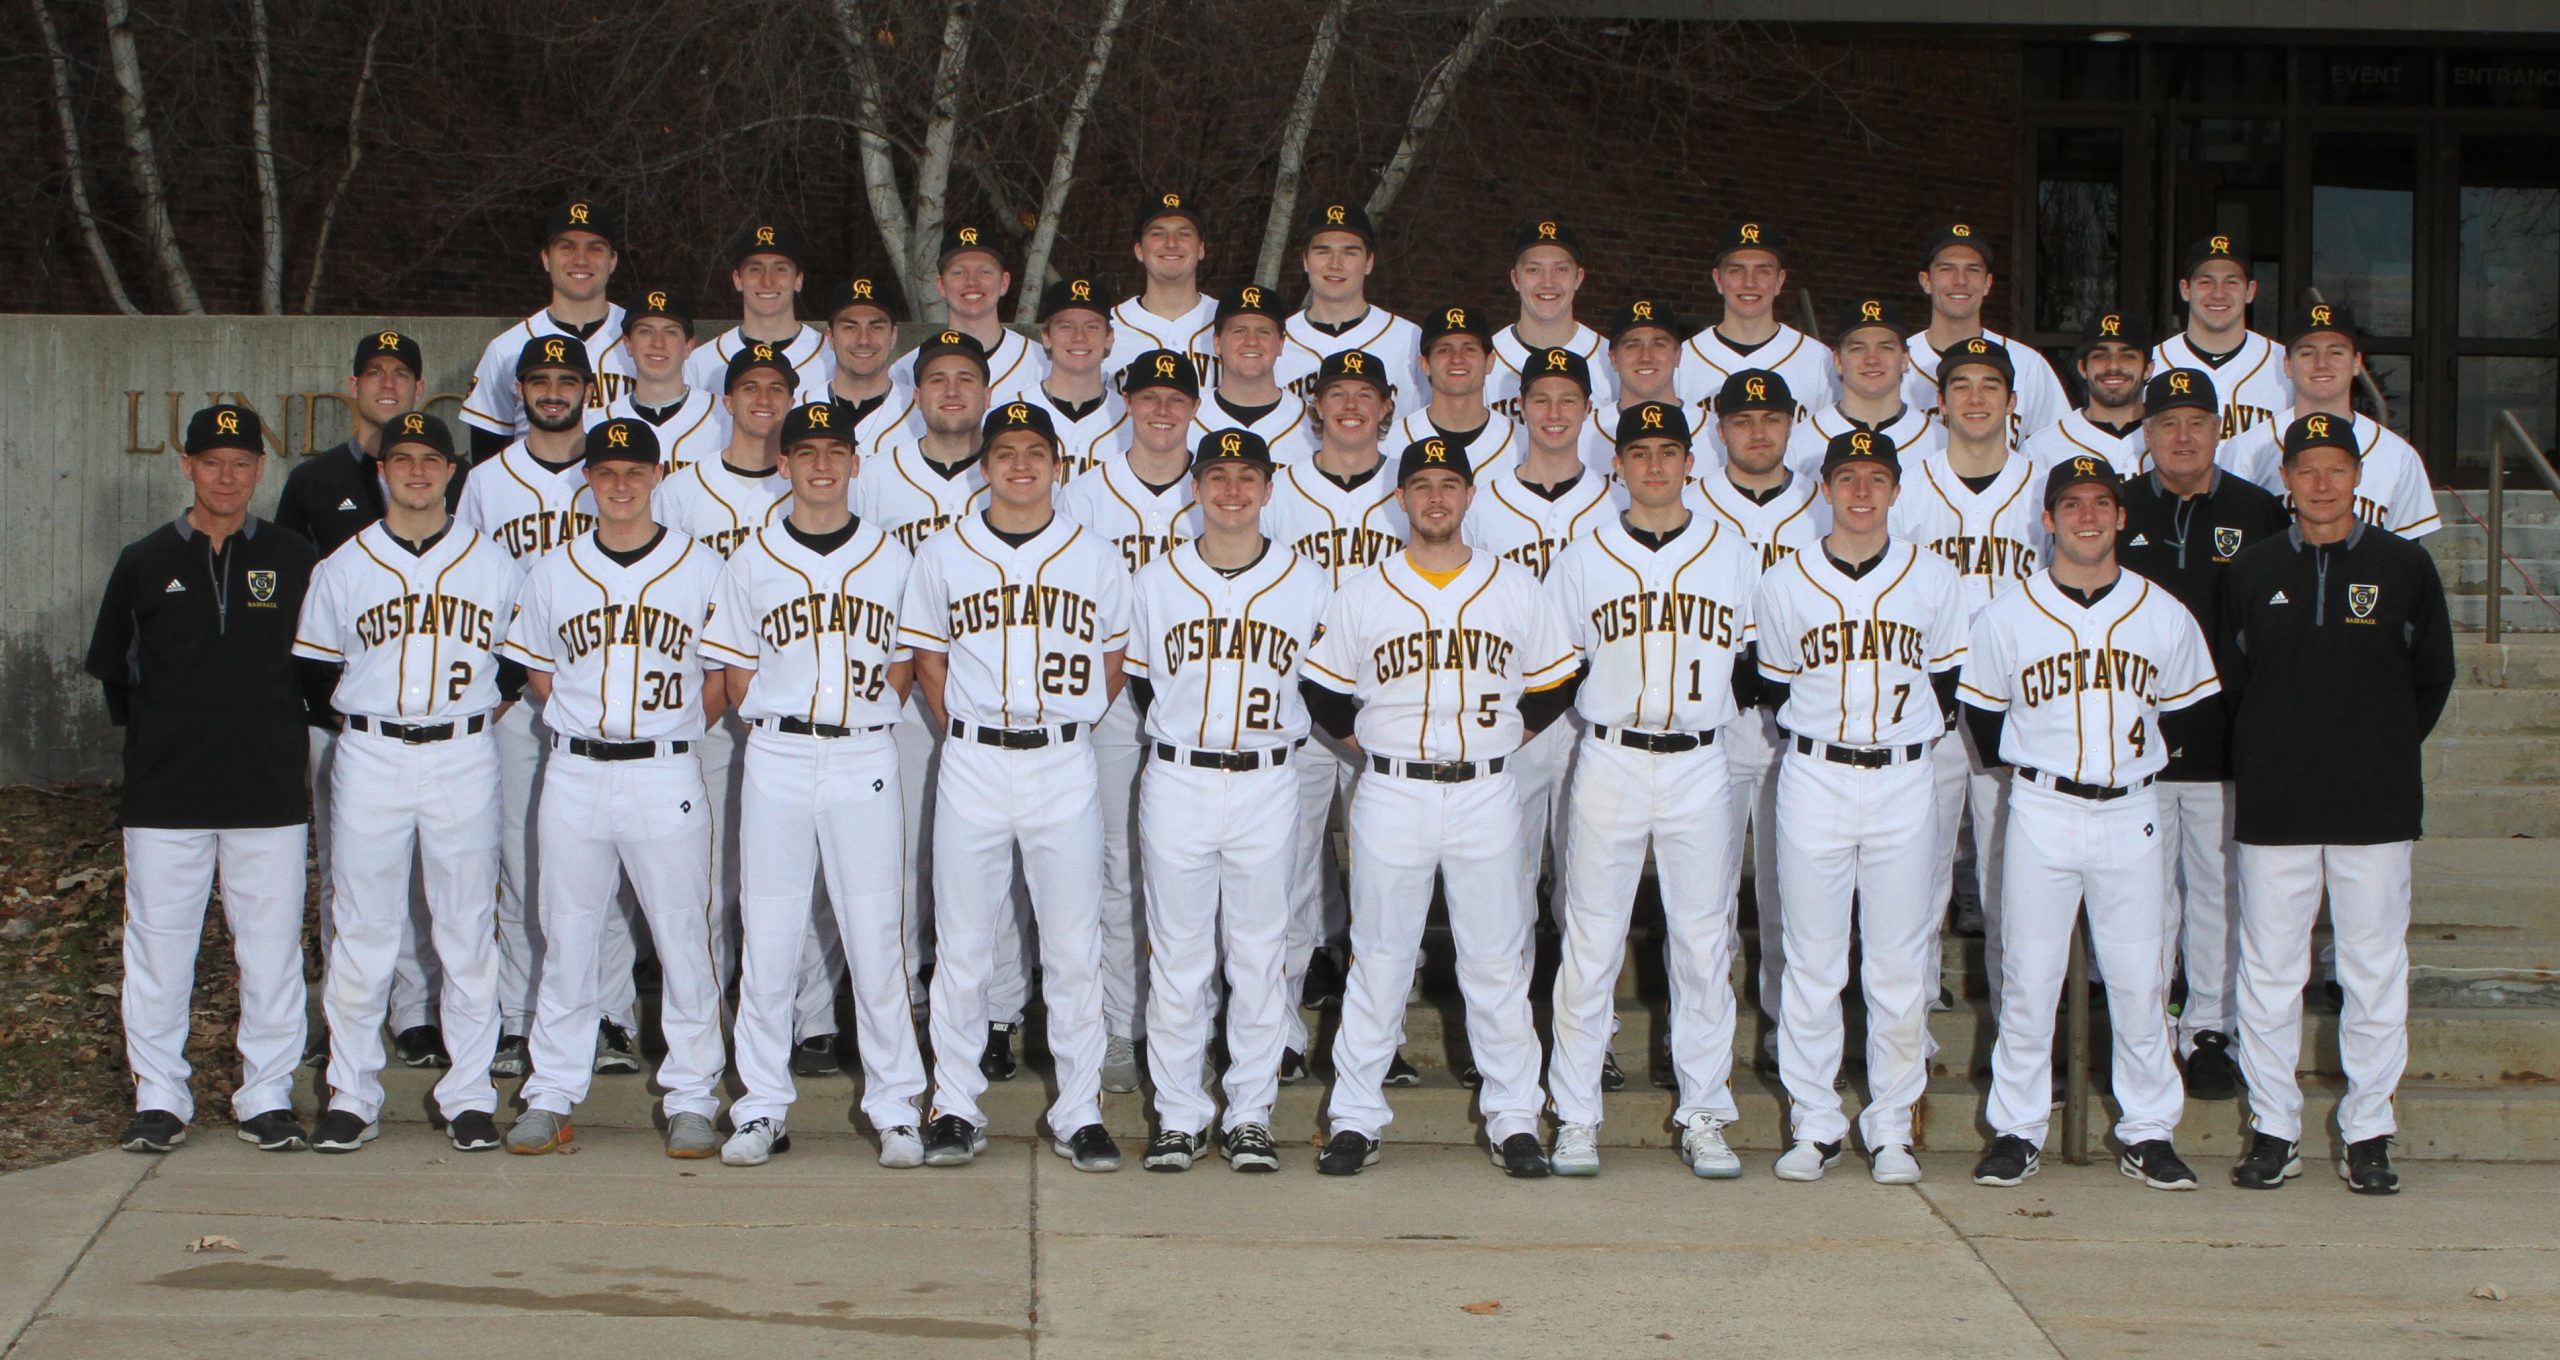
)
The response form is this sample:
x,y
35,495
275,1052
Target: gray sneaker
x,y
691,1138
539,1131
1120,1064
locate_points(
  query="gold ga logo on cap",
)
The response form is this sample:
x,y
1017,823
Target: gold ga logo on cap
x,y
1559,362
1546,231
2181,384
1172,200
1231,444
1960,229
2318,427
556,351
1017,414
228,422
2111,326
1334,213
413,424
1454,317
1249,295
948,338
1355,363
1755,388
763,351
862,288
818,418
764,236
1642,311
1164,365
617,436
1862,442
2320,314
1871,310
2219,245
2083,467
657,301
1435,452
1081,290
1750,233
388,339
578,213
1976,346
968,236
1650,416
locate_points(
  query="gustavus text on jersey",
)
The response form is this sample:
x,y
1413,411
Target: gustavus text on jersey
x,y
1024,606
1219,638
1853,640
1987,555
409,615
1664,611
1335,549
2085,669
1443,649
540,532
625,625
828,613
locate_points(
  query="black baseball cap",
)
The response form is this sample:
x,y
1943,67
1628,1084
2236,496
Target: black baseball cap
x,y
1546,231
768,237
1250,300
1751,236
1018,415
661,302
1872,311
1643,312
1167,204
581,215
626,438
754,355
1350,217
2179,388
1754,389
2215,247
2320,430
1978,352
1449,321
1653,420
1952,235
2319,318
960,238
1434,452
2081,470
1231,446
828,419
1072,295
1160,368
2113,328
950,342
862,290
554,351
393,343
1555,363
226,426
417,427
1861,446
1353,365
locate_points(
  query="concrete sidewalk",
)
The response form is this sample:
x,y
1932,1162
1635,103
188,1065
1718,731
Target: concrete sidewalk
x,y
410,1248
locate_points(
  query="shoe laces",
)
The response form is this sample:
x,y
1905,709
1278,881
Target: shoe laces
x,y
1577,1138
769,1128
1249,1135
1116,1050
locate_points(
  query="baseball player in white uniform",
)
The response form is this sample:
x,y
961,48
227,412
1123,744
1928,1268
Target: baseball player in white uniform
x,y
1546,272
2113,368
1868,348
579,254
1659,602
2219,285
2321,360
1249,339
1075,332
1644,360
1750,273
1337,509
1141,505
1220,624
1434,668
768,269
1169,311
1340,251
692,422
609,626
1859,645
972,280
805,625
410,612
1018,618
1955,272
862,329
2077,679
1456,352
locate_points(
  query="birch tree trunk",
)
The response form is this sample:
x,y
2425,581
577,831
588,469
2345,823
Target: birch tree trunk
x,y
1293,142
157,228
933,167
347,175
262,150
871,140
76,166
1062,170
1429,103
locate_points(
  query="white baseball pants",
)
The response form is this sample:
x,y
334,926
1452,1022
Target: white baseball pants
x,y
2203,884
1752,745
723,773
824,807
429,804
1219,846
1542,768
2064,852
1319,912
2368,891
919,740
1961,782
168,877
1679,801
1868,835
1401,831
524,750
1119,752
414,981
651,820
989,802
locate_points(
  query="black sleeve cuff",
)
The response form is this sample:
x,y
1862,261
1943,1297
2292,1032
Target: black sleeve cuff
x,y
1331,710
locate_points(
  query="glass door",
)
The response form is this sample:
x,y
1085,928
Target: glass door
x,y
2506,336
2362,195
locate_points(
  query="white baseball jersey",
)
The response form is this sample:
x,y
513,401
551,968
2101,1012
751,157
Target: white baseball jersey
x,y
528,508
1222,651
707,368
1502,381
1857,653
1792,521
1491,447
1813,376
414,631
1915,433
492,404
1439,669
1515,523
1660,627
908,496
1600,442
1026,628
1141,523
697,429
2041,400
1993,537
820,631
2076,434
2084,685
892,415
2249,384
1344,530
2393,493
1015,369
1396,342
1088,441
619,642
717,506
1135,330
1288,429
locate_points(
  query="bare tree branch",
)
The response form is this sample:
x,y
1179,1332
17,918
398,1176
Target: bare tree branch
x,y
1429,104
1062,169
346,175
879,172
262,144
76,165
145,162
1293,142
933,169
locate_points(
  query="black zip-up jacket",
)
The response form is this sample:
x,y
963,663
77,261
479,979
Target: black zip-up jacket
x,y
2340,662
2186,545
195,648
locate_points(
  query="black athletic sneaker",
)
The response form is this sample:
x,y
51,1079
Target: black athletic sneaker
x,y
1323,988
1173,1150
473,1131
2156,1164
997,1064
614,1050
2267,1165
1348,1154
315,1049
513,1058
2211,1073
1521,1158
343,1131
1400,1072
1612,1076
274,1131
1090,1148
421,1046
2009,1160
1469,1077
1293,1067
153,1131
815,1056
952,1141
1247,1147
2367,1167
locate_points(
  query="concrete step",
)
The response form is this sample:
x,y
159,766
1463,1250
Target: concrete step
x,y
2519,613
2525,759
2460,539
2511,711
2463,809
2520,576
2522,507
2528,663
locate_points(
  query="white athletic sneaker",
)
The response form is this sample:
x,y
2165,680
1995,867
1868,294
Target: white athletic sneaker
x,y
901,1147
1702,1146
1577,1150
1119,1064
1807,1160
754,1144
1893,1164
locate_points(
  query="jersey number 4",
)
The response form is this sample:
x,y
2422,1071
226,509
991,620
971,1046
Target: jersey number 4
x,y
2137,738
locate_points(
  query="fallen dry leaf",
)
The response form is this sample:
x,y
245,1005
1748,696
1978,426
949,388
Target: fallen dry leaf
x,y
107,989
2491,1292
215,1243
2032,1213
1481,1307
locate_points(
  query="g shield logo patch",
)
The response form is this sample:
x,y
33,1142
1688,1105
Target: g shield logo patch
x,y
2226,541
262,585
2362,599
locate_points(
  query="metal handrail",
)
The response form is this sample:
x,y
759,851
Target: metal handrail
x,y
2500,429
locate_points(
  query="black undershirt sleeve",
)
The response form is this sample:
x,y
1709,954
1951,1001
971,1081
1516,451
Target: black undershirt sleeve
x,y
1141,692
1746,678
485,446
511,679
1774,693
1331,710
1985,726
2182,727
1943,683
319,681
1540,709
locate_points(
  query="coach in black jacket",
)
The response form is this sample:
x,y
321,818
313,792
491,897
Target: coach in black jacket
x,y
2340,656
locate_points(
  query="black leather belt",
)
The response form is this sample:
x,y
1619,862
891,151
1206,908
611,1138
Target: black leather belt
x,y
1660,743
1234,762
802,727
1861,757
1016,738
1438,771
419,736
621,750
2096,793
